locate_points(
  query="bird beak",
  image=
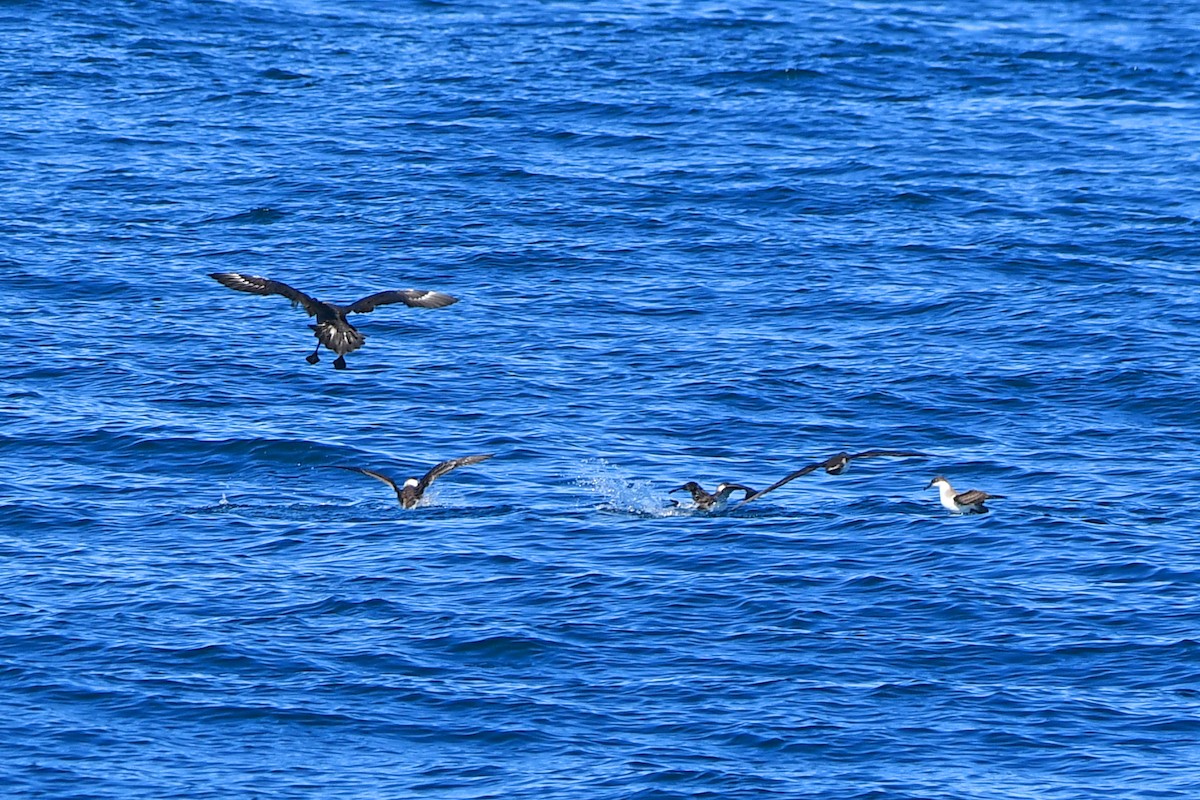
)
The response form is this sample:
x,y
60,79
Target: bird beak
x,y
931,483
676,489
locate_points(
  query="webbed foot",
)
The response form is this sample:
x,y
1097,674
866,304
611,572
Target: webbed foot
x,y
312,358
339,363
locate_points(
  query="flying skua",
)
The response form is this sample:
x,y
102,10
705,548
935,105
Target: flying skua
x,y
332,329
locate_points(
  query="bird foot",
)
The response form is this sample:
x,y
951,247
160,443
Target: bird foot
x,y
340,363
312,358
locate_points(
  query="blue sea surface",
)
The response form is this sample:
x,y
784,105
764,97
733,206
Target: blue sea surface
x,y
710,241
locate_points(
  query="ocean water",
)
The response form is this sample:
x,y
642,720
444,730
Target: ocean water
x,y
691,241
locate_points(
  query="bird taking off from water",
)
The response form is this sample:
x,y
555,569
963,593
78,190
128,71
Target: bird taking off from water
x,y
836,465
412,490
968,502
715,501
332,328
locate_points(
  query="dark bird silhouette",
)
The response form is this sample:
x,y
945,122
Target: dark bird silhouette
x,y
836,465
332,328
709,502
410,492
968,502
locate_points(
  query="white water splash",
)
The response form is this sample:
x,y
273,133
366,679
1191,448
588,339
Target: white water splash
x,y
620,494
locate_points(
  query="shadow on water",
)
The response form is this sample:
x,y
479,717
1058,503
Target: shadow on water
x,y
364,512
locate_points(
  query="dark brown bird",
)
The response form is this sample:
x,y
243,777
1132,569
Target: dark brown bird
x,y
332,328
410,492
836,465
715,501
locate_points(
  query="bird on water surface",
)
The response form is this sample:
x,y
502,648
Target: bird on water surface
x,y
968,502
412,490
710,502
333,329
836,465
